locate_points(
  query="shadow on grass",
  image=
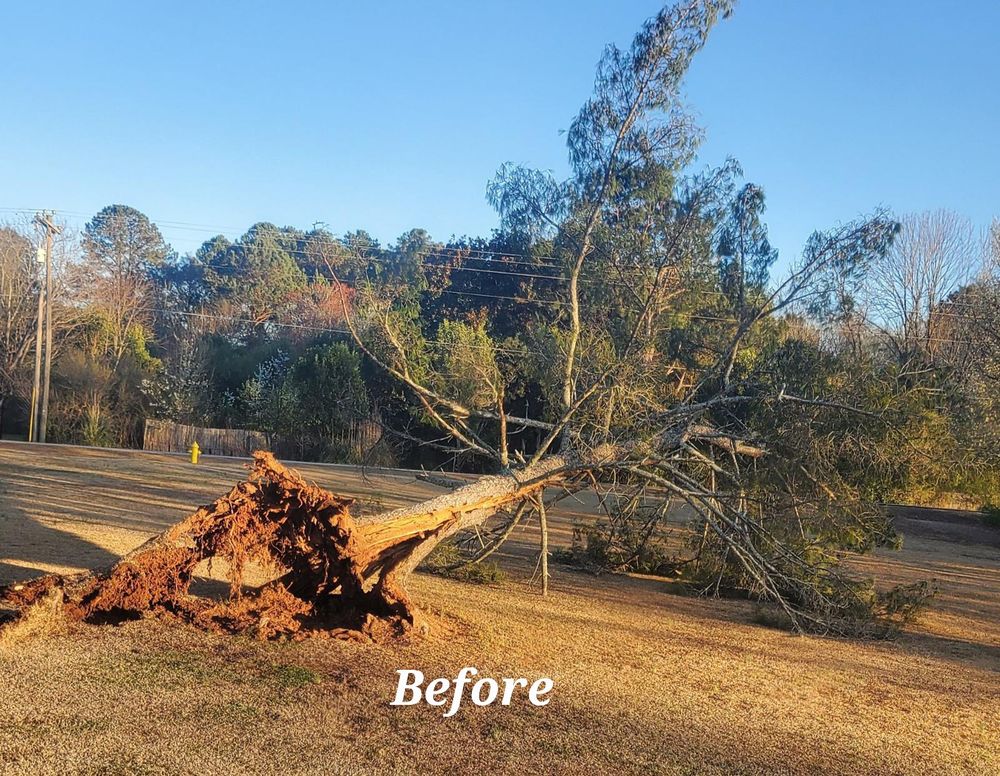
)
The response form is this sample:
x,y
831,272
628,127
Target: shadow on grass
x,y
30,548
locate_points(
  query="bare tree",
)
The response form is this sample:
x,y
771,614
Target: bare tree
x,y
992,264
19,279
935,254
18,292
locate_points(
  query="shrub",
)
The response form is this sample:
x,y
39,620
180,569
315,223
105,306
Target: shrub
x,y
448,561
618,548
827,600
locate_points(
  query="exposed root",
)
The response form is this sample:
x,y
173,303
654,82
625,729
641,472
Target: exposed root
x,y
331,576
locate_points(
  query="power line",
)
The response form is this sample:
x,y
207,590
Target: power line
x,y
500,258
234,271
208,229
321,329
308,327
462,252
440,251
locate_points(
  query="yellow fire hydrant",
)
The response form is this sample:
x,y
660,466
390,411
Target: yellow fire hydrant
x,y
195,452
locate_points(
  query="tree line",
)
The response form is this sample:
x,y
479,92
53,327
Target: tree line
x,y
253,333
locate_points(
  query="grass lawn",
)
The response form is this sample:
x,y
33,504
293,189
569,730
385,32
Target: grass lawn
x,y
645,681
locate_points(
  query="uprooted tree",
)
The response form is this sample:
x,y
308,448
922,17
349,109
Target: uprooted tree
x,y
331,573
730,420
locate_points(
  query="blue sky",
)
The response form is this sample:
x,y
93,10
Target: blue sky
x,y
392,115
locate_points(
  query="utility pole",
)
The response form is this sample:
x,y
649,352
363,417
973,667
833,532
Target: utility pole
x,y
36,391
44,219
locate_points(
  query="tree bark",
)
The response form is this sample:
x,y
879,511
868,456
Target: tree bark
x,y
430,522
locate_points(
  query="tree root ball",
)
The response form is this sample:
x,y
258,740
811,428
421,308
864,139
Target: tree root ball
x,y
327,577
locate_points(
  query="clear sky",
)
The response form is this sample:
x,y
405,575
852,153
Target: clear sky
x,y
391,115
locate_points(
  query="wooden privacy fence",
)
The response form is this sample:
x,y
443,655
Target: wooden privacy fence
x,y
166,436
360,437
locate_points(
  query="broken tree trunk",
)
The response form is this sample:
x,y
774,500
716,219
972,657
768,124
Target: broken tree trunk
x,y
330,572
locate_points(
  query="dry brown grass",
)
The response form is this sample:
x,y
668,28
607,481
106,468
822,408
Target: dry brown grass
x,y
646,682
44,618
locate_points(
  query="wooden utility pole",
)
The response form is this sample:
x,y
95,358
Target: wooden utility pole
x,y
45,220
36,385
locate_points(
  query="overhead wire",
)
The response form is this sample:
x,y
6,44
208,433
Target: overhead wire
x,y
484,255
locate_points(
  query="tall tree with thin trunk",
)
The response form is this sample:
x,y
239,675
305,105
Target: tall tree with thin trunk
x,y
120,249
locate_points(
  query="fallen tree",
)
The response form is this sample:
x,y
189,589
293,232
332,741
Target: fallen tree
x,y
330,573
664,363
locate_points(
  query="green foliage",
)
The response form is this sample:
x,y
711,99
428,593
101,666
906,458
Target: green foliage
x,y
745,253
269,399
308,403
110,354
120,241
179,390
466,364
291,676
97,402
229,364
447,561
330,397
255,278
630,545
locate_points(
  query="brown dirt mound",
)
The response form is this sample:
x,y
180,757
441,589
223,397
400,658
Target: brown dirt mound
x,y
327,576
